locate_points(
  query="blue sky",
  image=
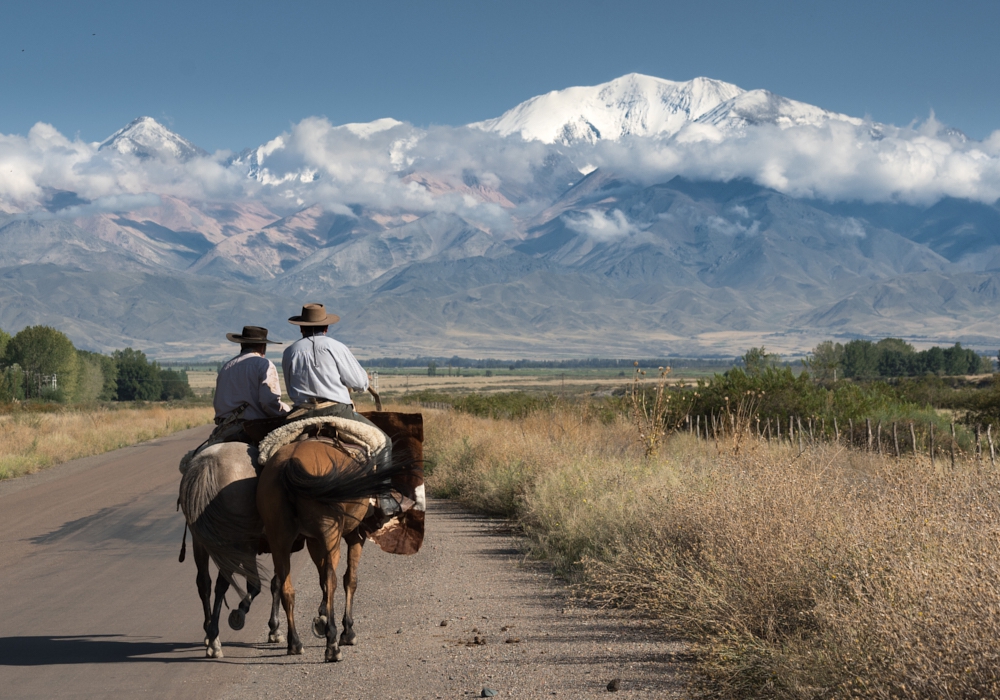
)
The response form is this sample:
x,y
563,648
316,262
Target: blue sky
x,y
235,74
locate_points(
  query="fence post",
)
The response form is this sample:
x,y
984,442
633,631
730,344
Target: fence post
x,y
879,433
868,427
777,425
768,431
812,438
822,430
850,440
895,439
799,421
989,439
913,438
979,443
759,435
932,445
791,431
697,426
836,429
953,445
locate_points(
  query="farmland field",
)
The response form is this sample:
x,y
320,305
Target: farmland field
x,y
395,382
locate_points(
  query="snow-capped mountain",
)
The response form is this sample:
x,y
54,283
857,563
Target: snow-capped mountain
x,y
757,107
147,138
641,105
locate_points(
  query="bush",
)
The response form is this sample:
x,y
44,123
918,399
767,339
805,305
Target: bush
x,y
10,384
138,379
175,385
514,404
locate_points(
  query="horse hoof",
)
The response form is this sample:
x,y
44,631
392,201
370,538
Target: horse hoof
x,y
208,642
214,650
319,626
333,654
237,618
348,640
276,638
294,649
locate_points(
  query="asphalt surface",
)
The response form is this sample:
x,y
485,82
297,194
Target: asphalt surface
x,y
95,604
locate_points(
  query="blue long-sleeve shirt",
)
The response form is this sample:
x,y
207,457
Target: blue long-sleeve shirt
x,y
319,367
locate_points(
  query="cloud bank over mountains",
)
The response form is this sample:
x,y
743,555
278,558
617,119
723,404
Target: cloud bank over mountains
x,y
651,129
641,216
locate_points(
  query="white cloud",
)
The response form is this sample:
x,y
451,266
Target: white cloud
x,y
852,227
378,166
601,226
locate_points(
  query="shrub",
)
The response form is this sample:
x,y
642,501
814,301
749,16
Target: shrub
x,y
175,385
513,404
137,379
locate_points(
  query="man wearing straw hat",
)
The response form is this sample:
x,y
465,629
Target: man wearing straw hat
x,y
246,388
319,370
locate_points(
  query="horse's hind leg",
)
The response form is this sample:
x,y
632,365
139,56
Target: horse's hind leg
x,y
354,544
274,635
333,652
282,573
318,553
238,617
204,579
214,650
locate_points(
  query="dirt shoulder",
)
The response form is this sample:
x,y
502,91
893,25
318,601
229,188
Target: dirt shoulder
x,y
537,644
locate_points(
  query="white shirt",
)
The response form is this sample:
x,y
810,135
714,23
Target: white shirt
x,y
251,378
319,367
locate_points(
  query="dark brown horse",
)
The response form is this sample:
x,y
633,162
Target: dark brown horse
x,y
316,490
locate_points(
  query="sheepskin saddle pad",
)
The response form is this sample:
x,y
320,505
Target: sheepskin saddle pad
x,y
370,438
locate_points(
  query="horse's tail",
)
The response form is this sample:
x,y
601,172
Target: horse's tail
x,y
361,477
228,528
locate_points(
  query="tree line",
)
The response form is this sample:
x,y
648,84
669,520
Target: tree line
x,y
41,363
892,357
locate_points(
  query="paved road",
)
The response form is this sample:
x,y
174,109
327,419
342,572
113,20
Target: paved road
x,y
95,604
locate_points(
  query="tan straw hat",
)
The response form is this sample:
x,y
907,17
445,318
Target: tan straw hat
x,y
314,315
252,334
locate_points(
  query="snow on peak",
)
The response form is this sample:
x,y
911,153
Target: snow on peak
x,y
632,105
147,138
641,105
757,107
365,130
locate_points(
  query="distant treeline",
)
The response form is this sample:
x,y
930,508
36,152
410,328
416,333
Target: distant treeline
x,y
892,357
590,363
41,363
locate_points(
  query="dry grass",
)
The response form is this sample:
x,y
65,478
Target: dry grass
x,y
827,574
30,441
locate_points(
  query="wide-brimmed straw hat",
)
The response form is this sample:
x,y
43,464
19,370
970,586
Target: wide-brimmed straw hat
x,y
252,334
314,315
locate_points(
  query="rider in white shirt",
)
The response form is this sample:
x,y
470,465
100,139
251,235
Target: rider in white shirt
x,y
246,387
319,369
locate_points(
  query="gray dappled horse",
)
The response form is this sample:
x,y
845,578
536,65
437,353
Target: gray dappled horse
x,y
218,497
